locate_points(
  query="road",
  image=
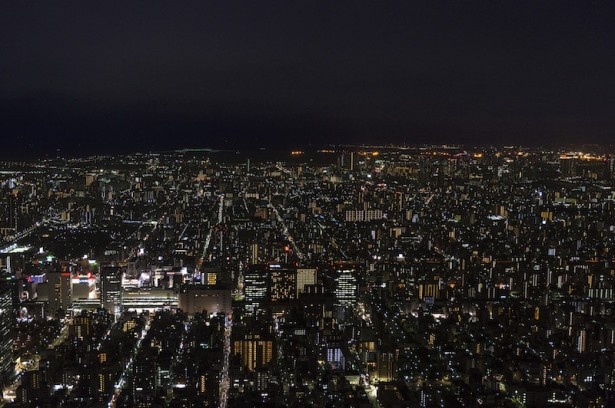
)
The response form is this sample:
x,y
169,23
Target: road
x,y
213,226
224,378
285,231
121,383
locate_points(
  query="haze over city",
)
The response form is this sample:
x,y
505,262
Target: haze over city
x,y
86,77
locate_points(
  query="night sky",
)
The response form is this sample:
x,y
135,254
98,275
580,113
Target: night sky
x,y
87,77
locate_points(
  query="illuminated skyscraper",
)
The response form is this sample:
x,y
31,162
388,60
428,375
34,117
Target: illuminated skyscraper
x,y
283,283
111,289
568,166
80,326
255,286
346,285
8,211
255,350
7,322
57,292
269,283
305,276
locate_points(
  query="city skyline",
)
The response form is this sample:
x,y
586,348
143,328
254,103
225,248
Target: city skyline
x,y
328,205
375,277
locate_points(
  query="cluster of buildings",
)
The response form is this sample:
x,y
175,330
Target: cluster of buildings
x,y
374,276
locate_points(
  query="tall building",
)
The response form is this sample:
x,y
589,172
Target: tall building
x,y
305,276
335,357
111,289
7,322
346,284
363,215
385,366
210,276
283,283
102,383
254,252
255,287
349,161
80,326
31,388
255,350
145,372
271,282
9,215
568,166
56,291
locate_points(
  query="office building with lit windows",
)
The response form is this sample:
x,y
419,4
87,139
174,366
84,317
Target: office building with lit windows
x,y
255,350
305,276
346,284
7,322
111,289
283,283
255,287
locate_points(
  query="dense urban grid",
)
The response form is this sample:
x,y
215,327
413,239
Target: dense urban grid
x,y
372,276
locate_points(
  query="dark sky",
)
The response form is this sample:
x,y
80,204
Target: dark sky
x,y
147,75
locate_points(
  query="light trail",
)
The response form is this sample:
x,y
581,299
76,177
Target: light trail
x,y
286,233
213,226
121,384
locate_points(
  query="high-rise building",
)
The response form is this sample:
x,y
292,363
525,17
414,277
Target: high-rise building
x,y
255,287
334,356
31,388
568,166
283,283
346,284
56,291
254,252
255,350
145,371
9,215
271,282
385,366
102,383
363,215
111,289
305,276
80,326
349,161
7,322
